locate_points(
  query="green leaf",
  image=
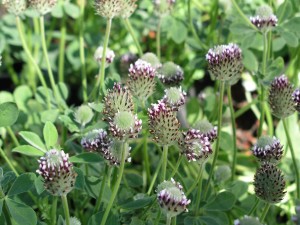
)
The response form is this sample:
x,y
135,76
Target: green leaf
x,y
111,220
22,214
178,32
223,202
250,60
68,123
63,90
189,220
34,140
8,114
138,204
28,150
98,107
226,141
92,187
293,25
6,96
290,38
86,157
210,220
39,185
22,184
50,134
7,180
1,205
238,188
137,221
72,10
49,115
57,11
220,217
80,181
134,180
241,28
22,94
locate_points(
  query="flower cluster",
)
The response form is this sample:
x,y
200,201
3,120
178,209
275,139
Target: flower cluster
x,y
171,198
207,130
141,80
225,62
16,7
195,146
281,97
296,99
57,172
174,98
163,124
109,56
42,6
163,7
115,8
268,149
264,20
269,183
170,74
151,58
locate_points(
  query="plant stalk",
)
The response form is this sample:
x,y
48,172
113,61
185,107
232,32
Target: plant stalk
x,y
222,84
165,162
264,213
61,63
116,186
53,210
155,176
11,166
66,209
293,157
254,206
233,132
168,220
158,32
98,203
131,31
32,60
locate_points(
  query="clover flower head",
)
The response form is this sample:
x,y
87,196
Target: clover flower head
x,y
207,130
96,140
171,198
125,125
57,172
264,20
151,58
195,146
269,183
268,149
108,8
141,80
174,98
118,99
163,124
16,7
109,58
114,153
225,62
128,8
281,97
296,99
170,74
42,6
163,7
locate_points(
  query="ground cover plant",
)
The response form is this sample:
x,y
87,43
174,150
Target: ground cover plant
x,y
149,112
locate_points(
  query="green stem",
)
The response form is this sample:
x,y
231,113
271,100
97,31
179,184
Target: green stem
x,y
177,166
245,18
168,220
244,109
61,63
131,31
98,203
82,55
155,176
233,132
269,120
66,209
8,162
264,213
293,156
158,217
32,60
53,210
262,92
13,136
222,84
117,185
198,198
146,159
165,162
8,217
44,46
254,206
158,53
196,181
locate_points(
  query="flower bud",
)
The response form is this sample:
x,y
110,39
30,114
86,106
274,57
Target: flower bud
x,y
128,8
264,20
125,125
141,80
225,62
222,174
174,98
269,183
118,99
163,124
83,115
207,130
170,74
108,8
247,220
74,221
42,6
195,146
16,7
163,7
110,55
281,97
268,149
151,58
296,99
171,198
57,172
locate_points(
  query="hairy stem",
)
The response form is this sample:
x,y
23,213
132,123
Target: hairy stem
x,y
165,162
98,203
265,212
53,210
158,31
131,31
61,62
66,209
